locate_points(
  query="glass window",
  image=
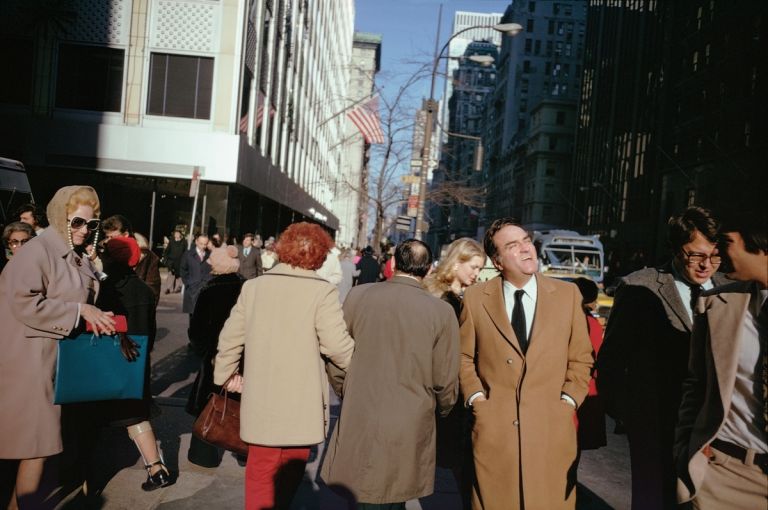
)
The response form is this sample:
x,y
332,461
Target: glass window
x,y
180,86
90,78
529,25
16,54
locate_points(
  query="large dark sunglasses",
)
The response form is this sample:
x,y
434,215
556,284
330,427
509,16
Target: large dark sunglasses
x,y
77,223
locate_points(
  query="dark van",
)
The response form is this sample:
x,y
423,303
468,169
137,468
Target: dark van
x,y
14,188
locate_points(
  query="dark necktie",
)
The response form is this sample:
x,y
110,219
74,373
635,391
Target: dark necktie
x,y
762,332
696,291
518,321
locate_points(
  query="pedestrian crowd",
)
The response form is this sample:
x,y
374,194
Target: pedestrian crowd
x,y
504,382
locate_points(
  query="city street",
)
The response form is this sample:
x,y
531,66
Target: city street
x,y
603,474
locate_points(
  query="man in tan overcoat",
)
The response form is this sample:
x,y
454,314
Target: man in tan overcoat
x,y
406,363
525,365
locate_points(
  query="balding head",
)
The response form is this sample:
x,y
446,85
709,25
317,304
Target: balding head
x,y
413,258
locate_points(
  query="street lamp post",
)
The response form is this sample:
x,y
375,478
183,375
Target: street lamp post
x,y
430,107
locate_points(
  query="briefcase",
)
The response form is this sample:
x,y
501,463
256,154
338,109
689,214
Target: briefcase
x,y
91,368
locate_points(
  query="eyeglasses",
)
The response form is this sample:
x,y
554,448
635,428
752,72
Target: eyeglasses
x,y
698,258
15,243
77,223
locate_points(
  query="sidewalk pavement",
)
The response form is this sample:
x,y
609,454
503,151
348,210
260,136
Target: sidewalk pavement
x,y
604,473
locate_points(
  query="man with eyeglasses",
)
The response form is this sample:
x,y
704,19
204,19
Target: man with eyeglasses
x,y
644,357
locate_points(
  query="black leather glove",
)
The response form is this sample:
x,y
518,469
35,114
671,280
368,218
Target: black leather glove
x,y
129,348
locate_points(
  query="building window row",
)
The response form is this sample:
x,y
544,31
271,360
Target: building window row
x,y
92,78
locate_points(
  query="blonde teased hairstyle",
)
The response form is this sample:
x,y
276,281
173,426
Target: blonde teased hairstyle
x,y
460,251
84,196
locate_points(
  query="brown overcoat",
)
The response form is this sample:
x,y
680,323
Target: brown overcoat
x,y
40,289
524,437
405,364
284,320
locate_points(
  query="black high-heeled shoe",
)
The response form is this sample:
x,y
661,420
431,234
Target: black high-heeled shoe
x,y
160,479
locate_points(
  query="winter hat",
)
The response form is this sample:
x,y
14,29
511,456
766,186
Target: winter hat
x,y
224,260
123,250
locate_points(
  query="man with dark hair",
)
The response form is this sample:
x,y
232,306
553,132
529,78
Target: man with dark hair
x,y
405,365
642,363
721,444
29,214
368,267
250,258
117,226
525,367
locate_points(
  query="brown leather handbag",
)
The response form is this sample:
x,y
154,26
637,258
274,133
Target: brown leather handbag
x,y
219,423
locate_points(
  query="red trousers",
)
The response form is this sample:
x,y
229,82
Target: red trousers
x,y
272,476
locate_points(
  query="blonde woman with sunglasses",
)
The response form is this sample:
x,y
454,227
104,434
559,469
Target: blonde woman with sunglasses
x,y
45,294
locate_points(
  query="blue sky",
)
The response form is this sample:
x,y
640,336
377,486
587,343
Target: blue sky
x,y
409,28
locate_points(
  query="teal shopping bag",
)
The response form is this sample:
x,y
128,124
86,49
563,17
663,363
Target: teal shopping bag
x,y
91,368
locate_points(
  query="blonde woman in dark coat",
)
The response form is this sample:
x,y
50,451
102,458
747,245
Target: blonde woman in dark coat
x,y
44,294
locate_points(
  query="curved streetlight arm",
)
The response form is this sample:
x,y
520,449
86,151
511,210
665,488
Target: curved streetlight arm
x,y
445,46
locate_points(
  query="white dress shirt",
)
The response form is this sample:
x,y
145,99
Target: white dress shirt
x,y
529,301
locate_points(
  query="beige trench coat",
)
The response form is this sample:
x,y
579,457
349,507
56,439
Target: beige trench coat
x,y
524,431
40,289
405,365
283,321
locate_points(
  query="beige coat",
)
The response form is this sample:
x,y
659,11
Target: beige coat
x,y
40,289
524,431
708,389
405,365
284,321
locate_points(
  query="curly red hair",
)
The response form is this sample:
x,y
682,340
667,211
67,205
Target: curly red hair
x,y
304,245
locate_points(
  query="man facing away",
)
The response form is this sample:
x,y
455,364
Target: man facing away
x,y
250,257
643,360
525,366
405,364
721,442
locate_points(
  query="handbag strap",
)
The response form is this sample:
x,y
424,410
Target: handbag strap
x,y
224,390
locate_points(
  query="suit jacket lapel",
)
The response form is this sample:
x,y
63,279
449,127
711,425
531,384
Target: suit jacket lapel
x,y
725,314
546,307
495,306
668,292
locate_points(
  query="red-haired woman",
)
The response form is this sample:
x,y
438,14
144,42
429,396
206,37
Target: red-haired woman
x,y
286,321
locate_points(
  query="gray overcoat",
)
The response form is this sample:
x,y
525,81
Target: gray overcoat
x,y
406,363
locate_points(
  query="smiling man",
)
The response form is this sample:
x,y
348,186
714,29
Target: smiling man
x,y
525,365
644,356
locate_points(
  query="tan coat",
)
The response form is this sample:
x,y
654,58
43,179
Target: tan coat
x,y
405,365
284,321
40,289
524,431
708,389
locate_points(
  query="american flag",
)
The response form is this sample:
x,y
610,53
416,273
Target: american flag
x,y
259,114
366,117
